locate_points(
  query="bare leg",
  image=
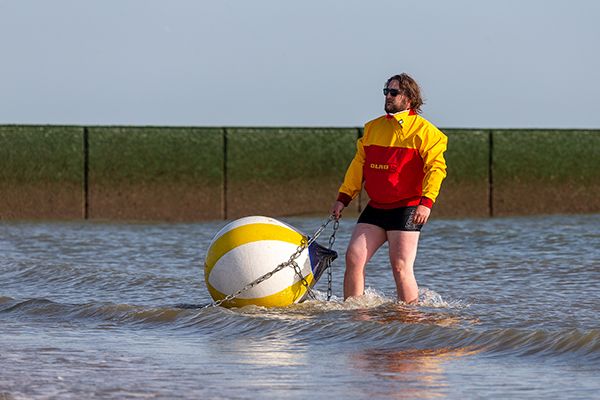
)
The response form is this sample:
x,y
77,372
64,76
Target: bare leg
x,y
403,252
365,241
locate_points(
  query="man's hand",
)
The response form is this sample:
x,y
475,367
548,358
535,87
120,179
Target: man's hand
x,y
336,209
421,215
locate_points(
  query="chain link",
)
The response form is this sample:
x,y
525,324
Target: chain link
x,y
304,243
336,225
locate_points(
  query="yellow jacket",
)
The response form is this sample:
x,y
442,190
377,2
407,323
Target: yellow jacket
x,y
400,158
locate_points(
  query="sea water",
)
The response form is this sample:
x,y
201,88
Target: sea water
x,y
509,308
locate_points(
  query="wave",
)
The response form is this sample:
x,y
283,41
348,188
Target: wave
x,y
375,323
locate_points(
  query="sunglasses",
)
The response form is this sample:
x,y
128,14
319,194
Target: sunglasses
x,y
391,92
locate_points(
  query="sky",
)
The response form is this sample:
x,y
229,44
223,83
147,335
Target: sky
x,y
480,64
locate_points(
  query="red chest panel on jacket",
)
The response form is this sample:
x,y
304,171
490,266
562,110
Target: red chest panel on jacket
x,y
392,173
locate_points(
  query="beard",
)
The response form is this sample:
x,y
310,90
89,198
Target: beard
x,y
391,107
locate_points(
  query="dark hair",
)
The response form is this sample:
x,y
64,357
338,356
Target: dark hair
x,y
410,89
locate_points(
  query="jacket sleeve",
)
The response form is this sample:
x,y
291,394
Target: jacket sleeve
x,y
433,146
352,184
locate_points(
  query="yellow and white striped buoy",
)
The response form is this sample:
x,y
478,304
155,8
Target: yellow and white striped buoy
x,y
250,247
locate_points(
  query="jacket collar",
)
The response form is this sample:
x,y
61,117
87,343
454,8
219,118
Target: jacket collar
x,y
400,115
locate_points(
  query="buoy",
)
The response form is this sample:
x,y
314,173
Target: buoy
x,y
250,247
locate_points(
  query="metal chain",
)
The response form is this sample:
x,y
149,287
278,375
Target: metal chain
x,y
304,243
336,225
298,271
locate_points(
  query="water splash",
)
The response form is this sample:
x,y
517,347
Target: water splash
x,y
371,299
430,298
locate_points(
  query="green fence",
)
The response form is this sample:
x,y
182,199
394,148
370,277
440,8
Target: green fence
x,y
155,173
291,171
548,171
195,173
41,172
466,189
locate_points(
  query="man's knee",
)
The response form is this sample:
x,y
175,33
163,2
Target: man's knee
x,y
355,258
402,267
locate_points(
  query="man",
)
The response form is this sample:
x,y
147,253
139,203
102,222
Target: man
x,y
400,159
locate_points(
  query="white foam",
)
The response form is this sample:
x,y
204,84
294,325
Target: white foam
x,y
430,298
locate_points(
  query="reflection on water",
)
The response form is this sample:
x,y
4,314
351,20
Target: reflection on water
x,y
407,314
420,372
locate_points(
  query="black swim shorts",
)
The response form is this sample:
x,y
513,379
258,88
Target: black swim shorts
x,y
394,219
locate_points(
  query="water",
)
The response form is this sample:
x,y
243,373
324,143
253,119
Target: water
x,y
508,309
